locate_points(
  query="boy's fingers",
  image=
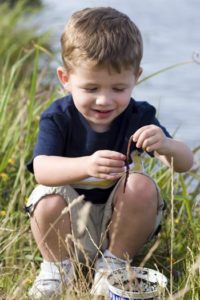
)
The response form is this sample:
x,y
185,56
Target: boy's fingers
x,y
111,171
138,133
150,141
112,154
142,139
148,130
112,163
145,137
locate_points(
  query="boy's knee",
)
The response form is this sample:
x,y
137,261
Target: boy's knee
x,y
142,189
50,204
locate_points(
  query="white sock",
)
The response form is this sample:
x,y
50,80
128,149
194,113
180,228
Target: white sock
x,y
64,267
110,261
108,254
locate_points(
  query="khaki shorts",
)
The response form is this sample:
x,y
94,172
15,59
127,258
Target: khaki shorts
x,y
89,221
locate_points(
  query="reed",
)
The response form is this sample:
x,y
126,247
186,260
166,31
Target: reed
x,y
23,96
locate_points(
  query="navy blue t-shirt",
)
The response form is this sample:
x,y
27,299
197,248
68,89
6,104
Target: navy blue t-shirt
x,y
63,131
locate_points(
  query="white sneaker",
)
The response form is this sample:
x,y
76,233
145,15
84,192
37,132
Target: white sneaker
x,y
99,287
103,267
50,282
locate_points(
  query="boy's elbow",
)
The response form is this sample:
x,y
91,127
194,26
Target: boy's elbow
x,y
38,178
185,166
38,173
190,163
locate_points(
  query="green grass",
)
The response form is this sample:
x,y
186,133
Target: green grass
x,y
24,96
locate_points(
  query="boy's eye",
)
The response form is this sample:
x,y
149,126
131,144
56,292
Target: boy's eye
x,y
90,90
94,89
118,89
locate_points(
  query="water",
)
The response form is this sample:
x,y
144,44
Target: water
x,y
171,34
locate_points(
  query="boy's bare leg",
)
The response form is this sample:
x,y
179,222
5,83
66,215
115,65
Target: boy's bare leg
x,y
47,218
134,215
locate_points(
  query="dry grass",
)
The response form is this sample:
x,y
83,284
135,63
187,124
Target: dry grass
x,y
23,96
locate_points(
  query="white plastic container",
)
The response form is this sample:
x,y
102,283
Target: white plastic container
x,y
136,283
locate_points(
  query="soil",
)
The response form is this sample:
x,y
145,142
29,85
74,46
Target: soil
x,y
138,285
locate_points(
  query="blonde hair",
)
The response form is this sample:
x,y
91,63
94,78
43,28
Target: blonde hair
x,y
101,36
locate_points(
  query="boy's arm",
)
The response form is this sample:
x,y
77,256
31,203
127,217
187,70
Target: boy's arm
x,y
53,170
181,154
57,170
151,138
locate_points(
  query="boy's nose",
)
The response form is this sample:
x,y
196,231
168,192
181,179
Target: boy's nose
x,y
103,99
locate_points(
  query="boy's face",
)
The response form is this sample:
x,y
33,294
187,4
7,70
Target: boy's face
x,y
99,95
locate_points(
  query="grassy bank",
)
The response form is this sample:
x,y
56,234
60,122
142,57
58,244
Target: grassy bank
x,y
23,96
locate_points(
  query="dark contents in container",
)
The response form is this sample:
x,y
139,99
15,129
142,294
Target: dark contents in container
x,y
138,285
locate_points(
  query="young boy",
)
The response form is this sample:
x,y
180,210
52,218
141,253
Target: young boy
x,y
81,150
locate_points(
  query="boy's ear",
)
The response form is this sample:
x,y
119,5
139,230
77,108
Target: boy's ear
x,y
139,73
63,77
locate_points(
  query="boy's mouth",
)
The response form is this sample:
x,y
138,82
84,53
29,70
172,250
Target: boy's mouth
x,y
103,113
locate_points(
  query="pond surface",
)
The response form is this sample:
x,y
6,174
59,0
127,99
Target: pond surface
x,y
171,33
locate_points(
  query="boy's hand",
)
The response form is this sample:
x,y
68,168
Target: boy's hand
x,y
106,164
151,138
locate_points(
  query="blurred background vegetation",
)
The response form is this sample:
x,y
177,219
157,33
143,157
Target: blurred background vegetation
x,y
25,58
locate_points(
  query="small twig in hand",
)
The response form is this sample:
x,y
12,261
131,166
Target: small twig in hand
x,y
127,162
